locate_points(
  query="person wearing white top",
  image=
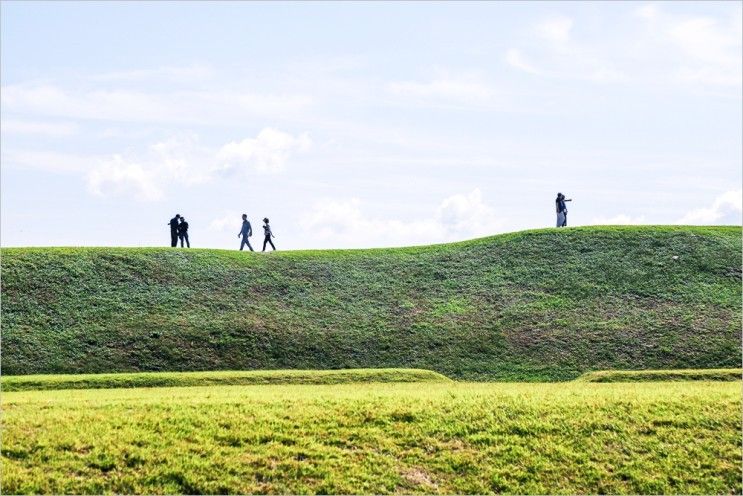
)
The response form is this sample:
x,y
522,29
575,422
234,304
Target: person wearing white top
x,y
268,234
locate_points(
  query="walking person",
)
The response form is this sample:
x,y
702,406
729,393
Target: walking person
x,y
268,234
562,210
174,230
246,231
183,232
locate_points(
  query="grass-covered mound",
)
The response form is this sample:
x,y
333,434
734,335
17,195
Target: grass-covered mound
x,y
448,438
662,375
534,305
219,378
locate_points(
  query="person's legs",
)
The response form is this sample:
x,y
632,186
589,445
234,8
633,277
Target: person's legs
x,y
173,239
244,242
560,219
272,246
265,240
564,220
188,243
181,238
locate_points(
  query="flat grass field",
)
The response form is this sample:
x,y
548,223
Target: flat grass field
x,y
433,437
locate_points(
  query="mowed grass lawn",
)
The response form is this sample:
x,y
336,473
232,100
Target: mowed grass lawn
x,y
661,437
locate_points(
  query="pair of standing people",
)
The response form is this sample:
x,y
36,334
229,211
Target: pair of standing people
x,y
562,210
178,230
247,231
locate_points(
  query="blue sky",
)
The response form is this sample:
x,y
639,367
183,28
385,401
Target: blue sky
x,y
364,124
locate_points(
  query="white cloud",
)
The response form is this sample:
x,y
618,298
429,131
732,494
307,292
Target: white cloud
x,y
267,153
569,62
49,161
53,129
230,219
648,11
181,160
704,39
726,209
122,177
605,72
621,219
215,107
671,49
516,59
556,29
178,160
703,50
99,104
467,215
559,56
464,88
170,74
343,223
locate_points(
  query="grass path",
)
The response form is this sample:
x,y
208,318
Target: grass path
x,y
225,378
377,438
662,375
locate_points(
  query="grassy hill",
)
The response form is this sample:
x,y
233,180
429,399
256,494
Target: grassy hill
x,y
534,305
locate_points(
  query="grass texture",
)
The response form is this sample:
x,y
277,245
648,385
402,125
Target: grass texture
x,y
662,375
529,306
574,438
224,378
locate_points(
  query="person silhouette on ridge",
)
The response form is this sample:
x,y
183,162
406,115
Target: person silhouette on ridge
x,y
268,234
174,230
183,232
562,210
246,231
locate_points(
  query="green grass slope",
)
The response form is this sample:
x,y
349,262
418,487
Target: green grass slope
x,y
662,375
535,305
444,438
219,378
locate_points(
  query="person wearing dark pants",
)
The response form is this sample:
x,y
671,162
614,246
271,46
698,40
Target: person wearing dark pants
x,y
183,232
174,230
268,235
246,231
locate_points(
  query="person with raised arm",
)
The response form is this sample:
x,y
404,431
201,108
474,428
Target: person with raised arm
x,y
562,210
